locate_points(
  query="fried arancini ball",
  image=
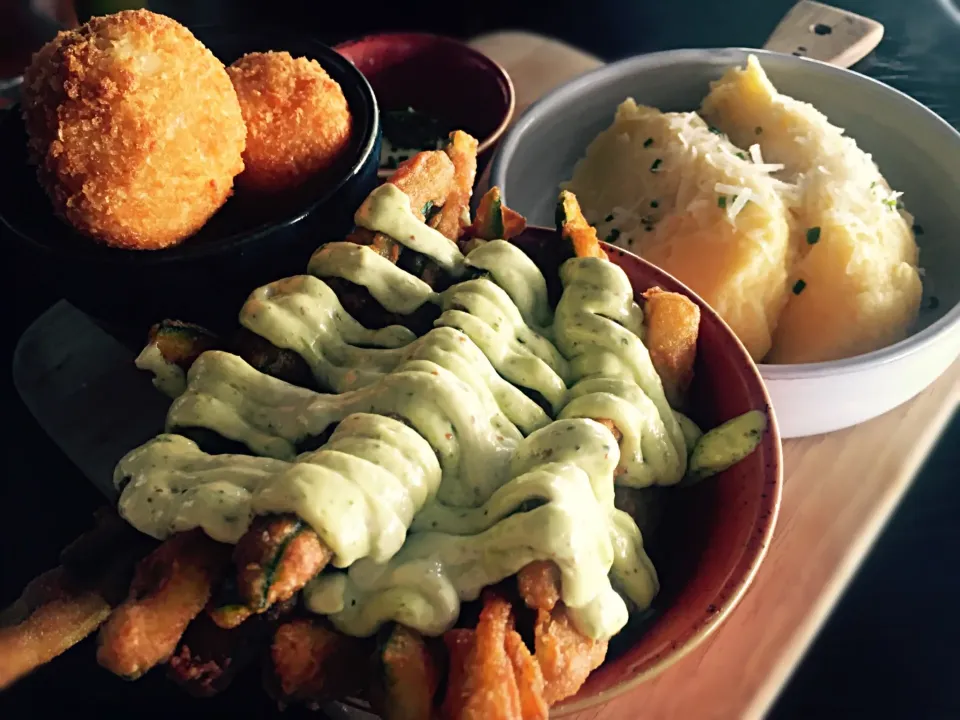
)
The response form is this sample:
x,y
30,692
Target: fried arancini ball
x,y
135,129
298,121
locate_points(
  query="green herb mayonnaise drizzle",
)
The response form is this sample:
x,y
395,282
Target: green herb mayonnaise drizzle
x,y
441,475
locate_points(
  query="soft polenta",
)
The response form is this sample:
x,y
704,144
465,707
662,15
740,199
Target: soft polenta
x,y
770,213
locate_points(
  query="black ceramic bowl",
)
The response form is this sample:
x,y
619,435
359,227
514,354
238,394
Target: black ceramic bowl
x,y
248,243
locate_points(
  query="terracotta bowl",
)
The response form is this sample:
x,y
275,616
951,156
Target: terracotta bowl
x,y
712,536
465,89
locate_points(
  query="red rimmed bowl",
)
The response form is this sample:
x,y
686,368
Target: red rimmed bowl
x,y
712,536
439,77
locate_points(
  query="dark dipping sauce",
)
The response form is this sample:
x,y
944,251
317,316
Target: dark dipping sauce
x,y
407,132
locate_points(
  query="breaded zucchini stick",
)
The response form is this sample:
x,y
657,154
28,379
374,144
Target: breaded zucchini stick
x,y
406,676
64,605
209,657
492,674
60,616
170,588
566,657
274,559
454,216
673,325
426,179
313,662
494,220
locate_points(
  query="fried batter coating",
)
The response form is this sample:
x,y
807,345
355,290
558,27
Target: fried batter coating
x,y
539,584
170,588
530,683
63,617
576,230
459,643
209,657
566,656
426,179
64,605
135,129
406,676
298,121
454,216
494,220
274,559
280,363
673,325
313,662
491,672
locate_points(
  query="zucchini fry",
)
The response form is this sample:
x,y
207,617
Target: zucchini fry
x,y
645,505
406,677
426,179
180,342
312,662
59,617
494,220
673,324
277,362
575,229
209,657
274,559
530,683
491,672
539,584
64,605
565,656
454,216
169,589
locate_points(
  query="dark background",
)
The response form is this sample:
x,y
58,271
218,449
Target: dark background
x,y
888,650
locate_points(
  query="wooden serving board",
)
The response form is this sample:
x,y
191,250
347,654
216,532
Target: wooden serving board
x,y
839,491
840,488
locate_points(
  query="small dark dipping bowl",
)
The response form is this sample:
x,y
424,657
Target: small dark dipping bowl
x,y
439,77
249,242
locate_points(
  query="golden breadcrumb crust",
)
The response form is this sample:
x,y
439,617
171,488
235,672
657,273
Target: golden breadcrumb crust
x,y
298,121
135,129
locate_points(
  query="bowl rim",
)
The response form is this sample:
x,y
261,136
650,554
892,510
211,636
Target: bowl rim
x,y
237,241
898,351
738,581
502,75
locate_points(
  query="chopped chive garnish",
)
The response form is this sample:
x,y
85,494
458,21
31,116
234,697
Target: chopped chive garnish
x,y
716,130
917,229
890,203
608,218
656,165
813,236
427,207
654,204
722,201
648,142
798,287
614,234
741,156
873,184
758,130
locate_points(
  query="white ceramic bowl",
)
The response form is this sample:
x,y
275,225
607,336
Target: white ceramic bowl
x,y
917,151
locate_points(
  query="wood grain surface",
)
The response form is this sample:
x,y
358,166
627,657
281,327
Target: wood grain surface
x,y
839,491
